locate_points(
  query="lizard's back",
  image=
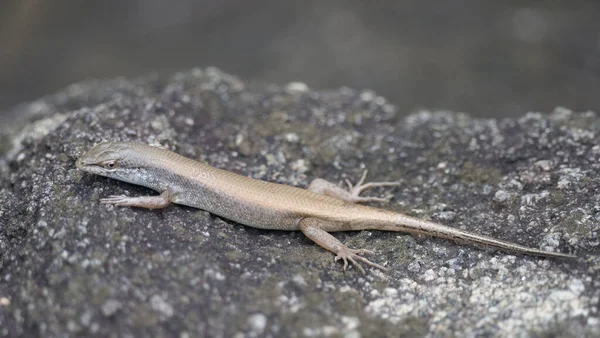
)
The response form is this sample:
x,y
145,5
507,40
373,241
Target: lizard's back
x,y
243,199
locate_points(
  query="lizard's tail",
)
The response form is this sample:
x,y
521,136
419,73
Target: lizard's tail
x,y
405,223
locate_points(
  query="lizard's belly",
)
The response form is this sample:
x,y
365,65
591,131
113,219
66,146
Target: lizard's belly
x,y
250,213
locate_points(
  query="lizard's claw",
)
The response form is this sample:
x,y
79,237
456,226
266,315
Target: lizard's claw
x,y
355,190
352,255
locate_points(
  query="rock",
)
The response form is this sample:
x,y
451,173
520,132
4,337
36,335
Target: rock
x,y
70,266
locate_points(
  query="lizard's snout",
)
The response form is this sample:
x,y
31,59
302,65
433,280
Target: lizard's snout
x,y
79,163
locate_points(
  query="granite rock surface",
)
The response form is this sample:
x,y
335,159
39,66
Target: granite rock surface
x,y
72,267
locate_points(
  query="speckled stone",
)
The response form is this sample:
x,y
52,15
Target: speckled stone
x,y
72,267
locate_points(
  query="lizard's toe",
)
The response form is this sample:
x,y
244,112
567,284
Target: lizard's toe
x,y
114,199
352,255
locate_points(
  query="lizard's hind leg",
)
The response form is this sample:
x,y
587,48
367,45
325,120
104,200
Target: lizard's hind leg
x,y
321,186
312,228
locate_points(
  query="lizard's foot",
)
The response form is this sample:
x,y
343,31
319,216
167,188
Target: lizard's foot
x,y
312,228
346,254
117,200
148,202
355,190
321,186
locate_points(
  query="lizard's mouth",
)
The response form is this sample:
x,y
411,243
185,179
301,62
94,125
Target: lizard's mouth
x,y
89,167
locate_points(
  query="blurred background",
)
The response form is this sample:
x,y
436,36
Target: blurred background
x,y
487,58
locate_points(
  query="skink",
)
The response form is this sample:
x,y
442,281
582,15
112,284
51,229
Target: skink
x,y
322,208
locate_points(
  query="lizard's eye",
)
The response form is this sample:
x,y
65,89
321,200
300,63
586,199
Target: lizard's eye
x,y
110,164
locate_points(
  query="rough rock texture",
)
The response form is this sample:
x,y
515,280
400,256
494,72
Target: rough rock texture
x,y
69,266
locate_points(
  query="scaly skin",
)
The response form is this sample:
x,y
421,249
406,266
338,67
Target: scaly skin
x,y
321,209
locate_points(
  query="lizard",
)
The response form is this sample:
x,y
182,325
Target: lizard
x,y
322,208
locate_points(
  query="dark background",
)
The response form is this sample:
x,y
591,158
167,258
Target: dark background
x,y
488,58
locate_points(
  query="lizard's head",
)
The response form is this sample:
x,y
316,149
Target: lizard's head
x,y
111,159
130,162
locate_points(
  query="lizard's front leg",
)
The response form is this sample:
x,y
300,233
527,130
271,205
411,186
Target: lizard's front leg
x,y
312,228
149,202
321,186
